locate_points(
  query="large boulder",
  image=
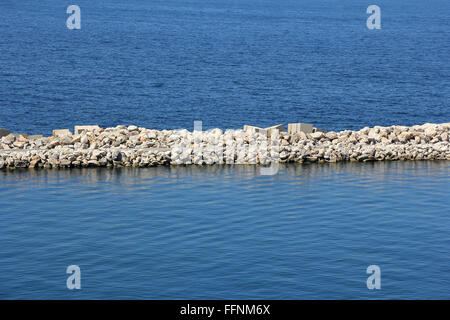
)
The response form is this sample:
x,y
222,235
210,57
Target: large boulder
x,y
4,132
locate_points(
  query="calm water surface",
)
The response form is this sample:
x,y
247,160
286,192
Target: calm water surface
x,y
226,232
165,63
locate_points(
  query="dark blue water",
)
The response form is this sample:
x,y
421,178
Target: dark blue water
x,y
166,63
226,232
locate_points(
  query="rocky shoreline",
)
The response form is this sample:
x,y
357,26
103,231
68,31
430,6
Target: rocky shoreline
x,y
132,146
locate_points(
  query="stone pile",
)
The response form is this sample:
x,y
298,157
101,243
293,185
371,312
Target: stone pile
x,y
134,146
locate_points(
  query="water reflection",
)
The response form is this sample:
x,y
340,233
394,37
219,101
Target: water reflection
x,y
375,170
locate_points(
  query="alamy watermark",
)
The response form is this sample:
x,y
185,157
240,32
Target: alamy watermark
x,y
74,280
74,20
374,21
229,147
374,280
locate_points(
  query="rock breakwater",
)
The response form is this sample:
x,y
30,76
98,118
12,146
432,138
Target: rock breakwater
x,y
132,146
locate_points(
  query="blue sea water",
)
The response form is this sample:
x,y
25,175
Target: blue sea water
x,y
165,63
308,232
217,232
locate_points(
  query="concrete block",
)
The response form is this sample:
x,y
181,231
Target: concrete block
x,y
61,133
4,132
268,130
293,127
35,137
300,127
279,127
80,129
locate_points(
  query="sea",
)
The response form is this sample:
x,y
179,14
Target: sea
x,y
225,232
